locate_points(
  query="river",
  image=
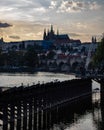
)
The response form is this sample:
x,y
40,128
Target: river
x,y
15,79
89,117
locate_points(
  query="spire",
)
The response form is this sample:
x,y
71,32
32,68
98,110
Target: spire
x,y
44,35
57,32
92,39
51,32
51,28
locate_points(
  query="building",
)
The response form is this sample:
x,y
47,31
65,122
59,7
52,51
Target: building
x,y
56,38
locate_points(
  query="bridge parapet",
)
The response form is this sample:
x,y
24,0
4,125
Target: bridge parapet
x,y
44,89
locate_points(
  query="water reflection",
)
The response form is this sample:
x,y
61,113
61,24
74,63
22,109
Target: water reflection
x,y
15,79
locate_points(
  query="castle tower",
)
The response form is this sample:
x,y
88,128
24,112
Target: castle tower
x,y
51,28
92,39
44,35
51,33
1,40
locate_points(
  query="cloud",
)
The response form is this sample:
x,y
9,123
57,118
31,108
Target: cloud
x,y
35,15
4,25
32,10
29,10
94,6
71,6
53,4
81,25
14,37
74,34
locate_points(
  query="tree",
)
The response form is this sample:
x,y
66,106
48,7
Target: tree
x,y
51,55
98,59
12,58
31,58
3,59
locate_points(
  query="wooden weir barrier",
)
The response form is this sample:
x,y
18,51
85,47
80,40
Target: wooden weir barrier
x,y
27,108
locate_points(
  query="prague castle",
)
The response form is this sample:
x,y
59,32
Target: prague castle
x,y
56,38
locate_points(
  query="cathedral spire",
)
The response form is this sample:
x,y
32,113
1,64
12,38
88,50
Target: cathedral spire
x,y
51,28
92,39
44,35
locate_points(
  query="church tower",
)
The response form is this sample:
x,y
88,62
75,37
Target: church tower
x,y
44,35
51,29
92,39
1,40
51,34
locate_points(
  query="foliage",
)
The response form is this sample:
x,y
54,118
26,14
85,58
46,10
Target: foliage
x,y
50,55
31,58
21,58
98,58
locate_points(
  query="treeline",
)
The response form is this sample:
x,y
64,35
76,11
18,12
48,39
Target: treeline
x,y
27,57
98,59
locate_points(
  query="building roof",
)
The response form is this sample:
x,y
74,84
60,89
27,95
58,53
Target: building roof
x,y
63,36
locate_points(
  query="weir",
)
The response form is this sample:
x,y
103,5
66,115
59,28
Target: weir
x,y
27,108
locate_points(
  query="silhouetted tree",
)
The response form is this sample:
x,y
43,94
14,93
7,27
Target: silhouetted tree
x,y
98,59
31,58
51,55
3,59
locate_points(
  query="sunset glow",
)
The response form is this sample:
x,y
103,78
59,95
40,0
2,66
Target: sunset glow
x,y
26,19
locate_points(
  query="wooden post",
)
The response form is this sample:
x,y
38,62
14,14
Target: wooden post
x,y
5,116
45,121
19,115
12,116
35,115
24,115
41,114
102,102
30,115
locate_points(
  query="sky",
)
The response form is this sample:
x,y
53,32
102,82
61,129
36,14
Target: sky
x,y
27,19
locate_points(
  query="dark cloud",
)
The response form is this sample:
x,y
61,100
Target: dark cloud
x,y
4,25
14,37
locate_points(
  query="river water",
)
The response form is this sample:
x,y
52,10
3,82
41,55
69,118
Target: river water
x,y
15,79
87,117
